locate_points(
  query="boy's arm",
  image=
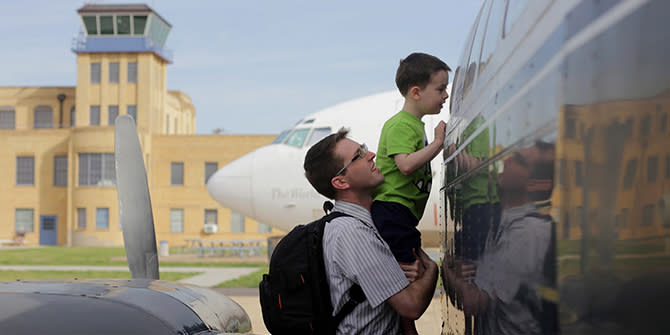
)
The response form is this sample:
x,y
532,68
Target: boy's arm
x,y
413,300
408,163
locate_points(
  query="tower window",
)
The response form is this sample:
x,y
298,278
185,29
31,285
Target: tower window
x,y
114,72
95,73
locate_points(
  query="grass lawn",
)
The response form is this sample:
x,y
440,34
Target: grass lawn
x,y
87,256
250,280
11,275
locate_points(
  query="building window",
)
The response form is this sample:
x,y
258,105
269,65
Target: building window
x,y
132,111
652,169
60,170
177,173
211,217
7,117
236,223
139,23
667,166
663,123
102,218
210,169
114,72
123,25
106,25
73,115
96,169
95,73
24,218
112,113
43,117
167,125
631,168
645,125
132,72
176,220
25,170
81,218
263,228
95,115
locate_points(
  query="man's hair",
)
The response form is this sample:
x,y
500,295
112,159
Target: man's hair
x,y
416,70
321,163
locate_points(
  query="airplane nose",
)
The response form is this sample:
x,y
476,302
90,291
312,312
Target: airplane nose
x,y
231,186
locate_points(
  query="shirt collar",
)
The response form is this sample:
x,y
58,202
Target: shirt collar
x,y
354,210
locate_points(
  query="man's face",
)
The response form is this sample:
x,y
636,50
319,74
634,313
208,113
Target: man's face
x,y
516,171
362,174
435,93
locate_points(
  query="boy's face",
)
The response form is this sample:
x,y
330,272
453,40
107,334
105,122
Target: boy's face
x,y
433,96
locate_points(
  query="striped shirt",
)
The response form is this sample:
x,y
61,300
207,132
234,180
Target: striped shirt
x,y
354,252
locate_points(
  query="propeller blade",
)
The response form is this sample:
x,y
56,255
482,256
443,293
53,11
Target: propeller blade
x,y
135,215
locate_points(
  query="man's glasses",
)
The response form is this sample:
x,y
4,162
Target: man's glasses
x,y
362,152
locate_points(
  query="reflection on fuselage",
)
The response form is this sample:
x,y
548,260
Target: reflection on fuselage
x,y
558,176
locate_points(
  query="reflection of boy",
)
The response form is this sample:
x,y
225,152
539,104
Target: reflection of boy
x,y
479,203
403,156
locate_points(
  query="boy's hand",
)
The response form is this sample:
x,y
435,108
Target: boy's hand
x,y
414,270
440,131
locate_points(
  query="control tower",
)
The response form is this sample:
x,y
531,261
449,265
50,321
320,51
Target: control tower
x,y
121,66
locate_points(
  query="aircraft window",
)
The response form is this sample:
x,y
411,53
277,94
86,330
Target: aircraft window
x,y
476,51
317,135
281,137
493,32
308,121
514,10
298,137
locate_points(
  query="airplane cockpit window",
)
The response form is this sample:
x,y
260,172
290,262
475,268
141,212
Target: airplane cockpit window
x,y
514,10
493,32
317,135
308,121
281,137
298,137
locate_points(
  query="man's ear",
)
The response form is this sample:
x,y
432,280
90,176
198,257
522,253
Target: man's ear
x,y
415,92
339,183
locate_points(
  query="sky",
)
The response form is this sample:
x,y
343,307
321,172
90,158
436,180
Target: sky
x,y
252,67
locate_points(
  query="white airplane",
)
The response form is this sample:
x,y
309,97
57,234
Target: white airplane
x,y
269,184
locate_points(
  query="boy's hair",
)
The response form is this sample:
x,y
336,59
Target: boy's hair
x,y
321,163
416,70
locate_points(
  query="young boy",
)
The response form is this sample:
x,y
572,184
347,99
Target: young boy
x,y
403,156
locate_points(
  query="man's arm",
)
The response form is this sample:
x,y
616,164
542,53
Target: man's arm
x,y
413,300
408,163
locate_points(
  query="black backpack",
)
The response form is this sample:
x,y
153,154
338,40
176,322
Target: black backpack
x,y
295,296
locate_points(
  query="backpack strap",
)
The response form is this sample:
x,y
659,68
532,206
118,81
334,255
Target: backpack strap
x,y
356,296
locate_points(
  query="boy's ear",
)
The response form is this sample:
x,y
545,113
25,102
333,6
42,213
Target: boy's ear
x,y
339,183
415,92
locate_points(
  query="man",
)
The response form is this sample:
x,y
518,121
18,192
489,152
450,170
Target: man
x,y
354,252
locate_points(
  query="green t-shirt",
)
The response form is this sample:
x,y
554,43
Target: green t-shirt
x,y
475,190
403,134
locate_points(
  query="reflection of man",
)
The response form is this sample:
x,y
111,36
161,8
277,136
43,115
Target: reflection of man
x,y
514,265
